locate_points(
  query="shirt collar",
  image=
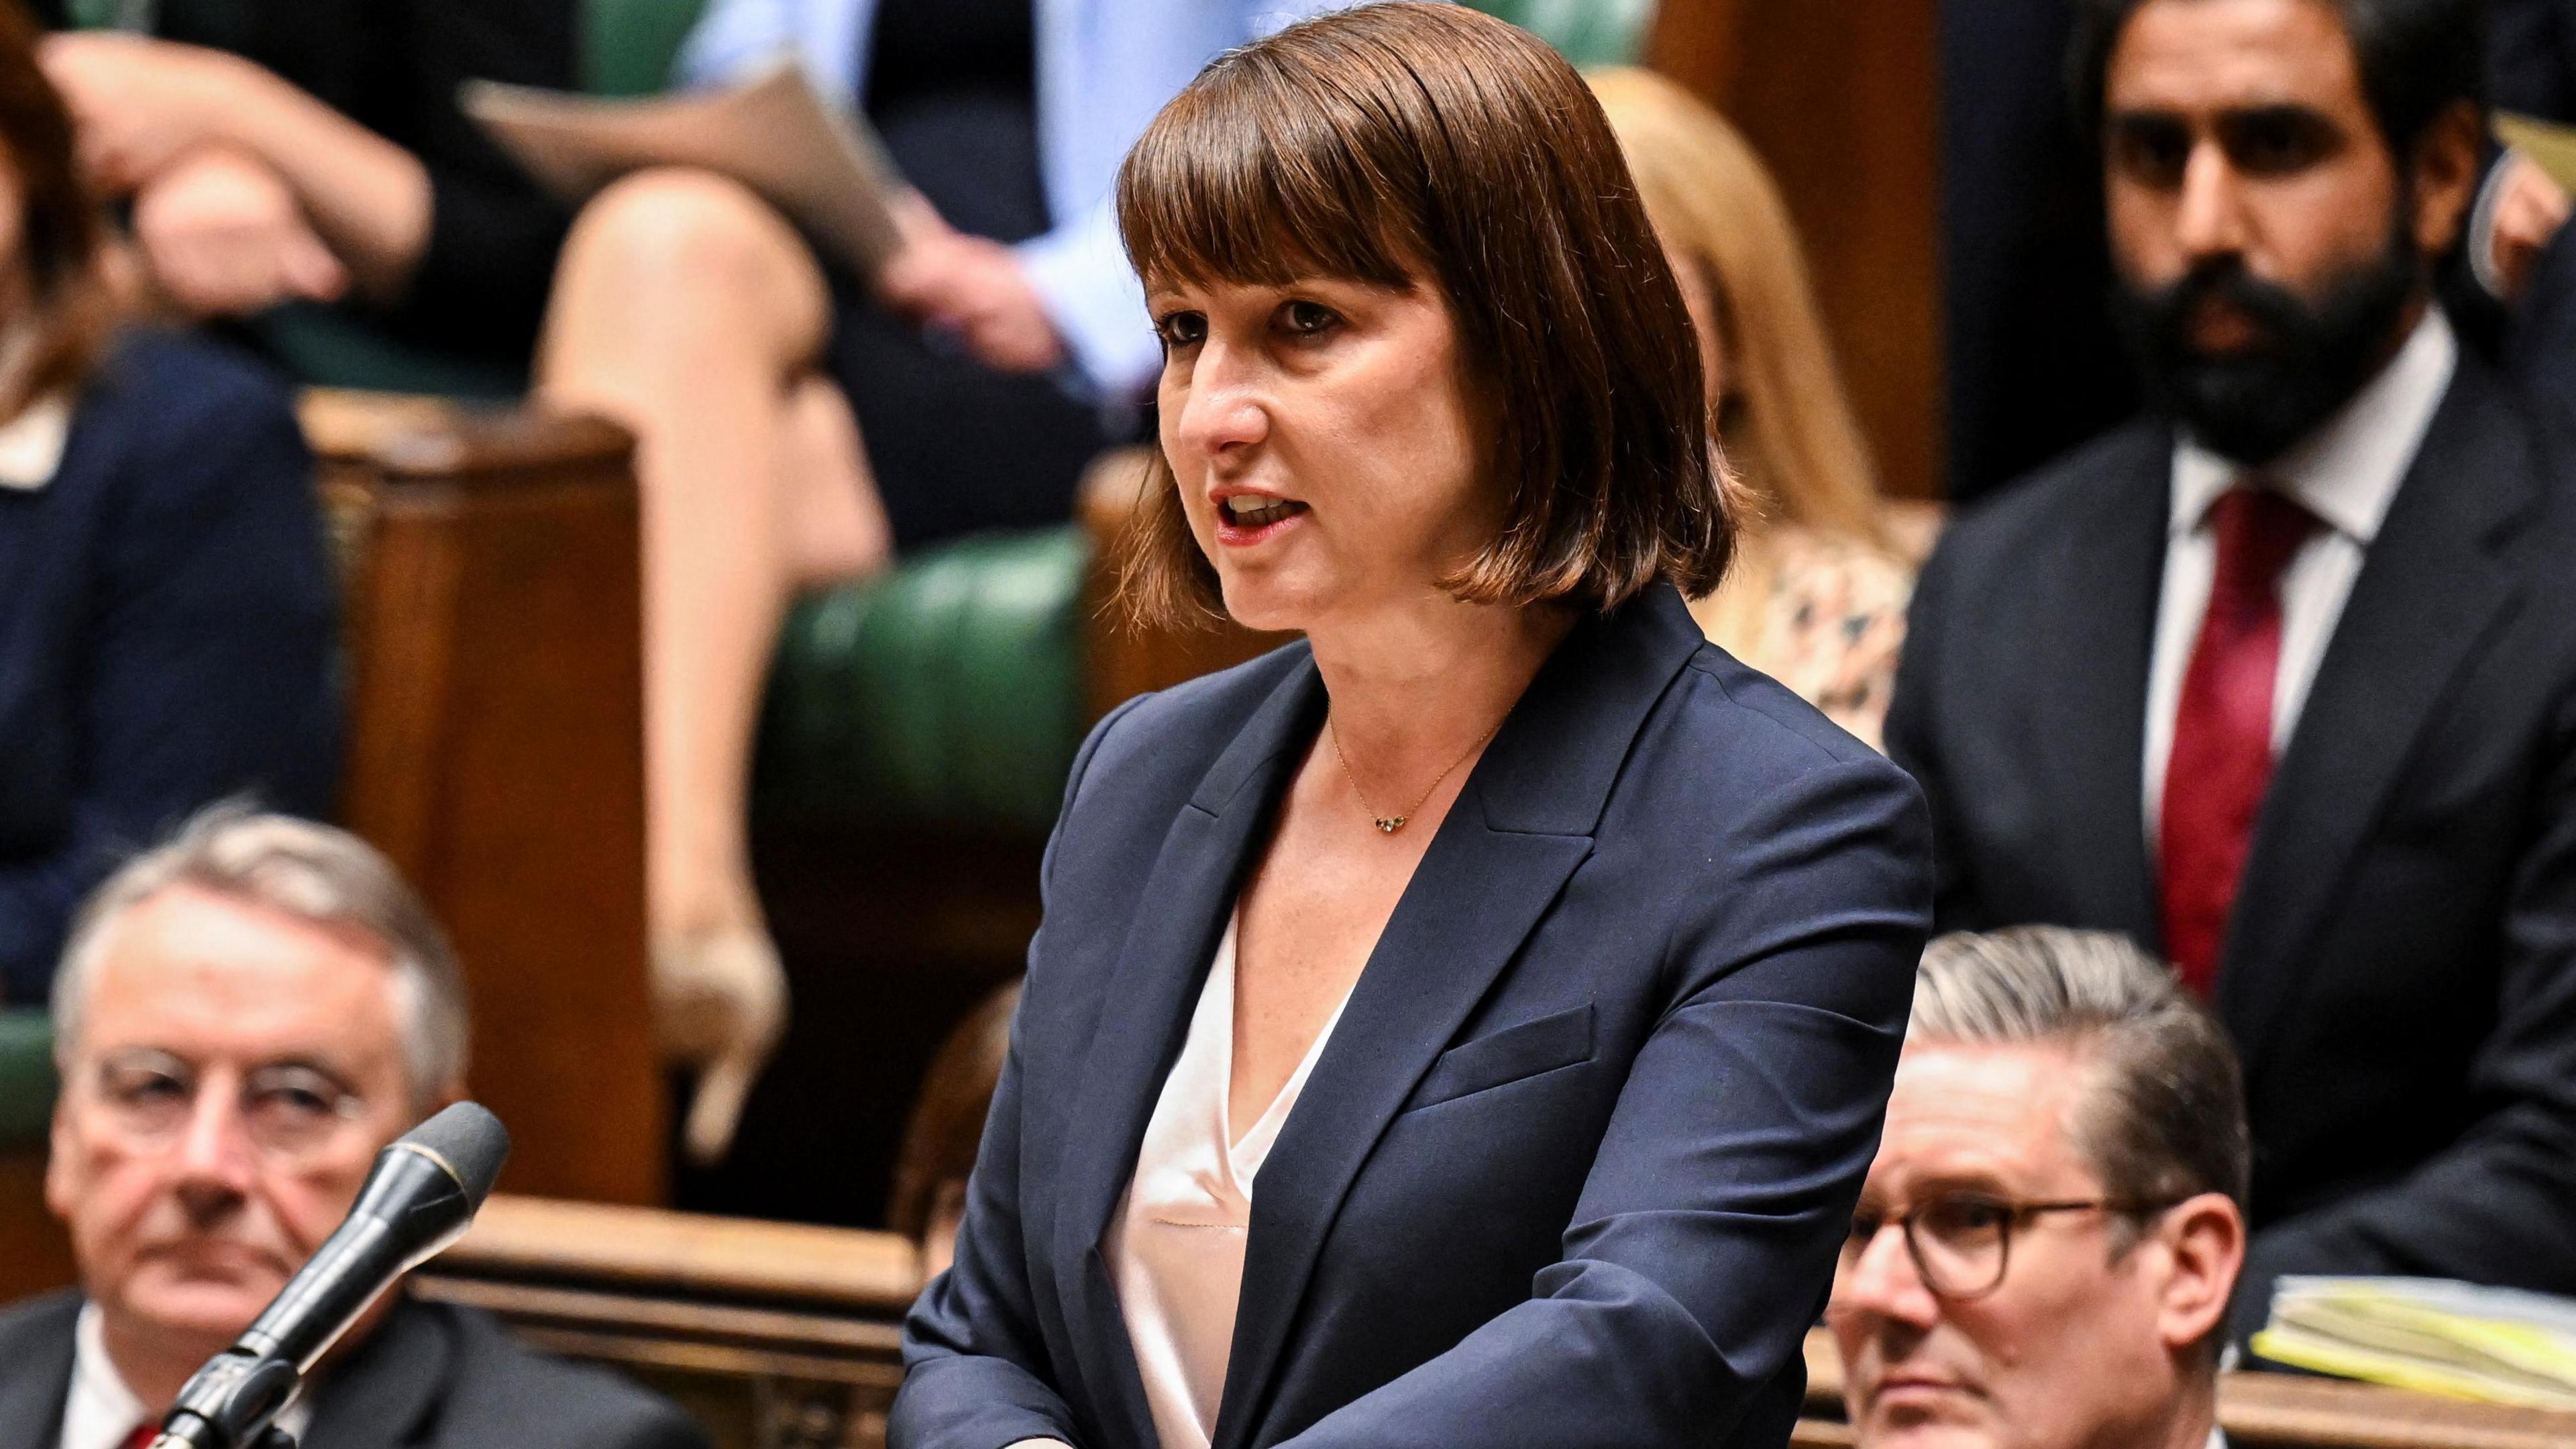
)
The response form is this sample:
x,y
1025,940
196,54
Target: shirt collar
x,y
31,444
2348,470
102,1411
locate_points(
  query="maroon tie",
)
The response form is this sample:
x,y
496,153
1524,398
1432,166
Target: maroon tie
x,y
2222,741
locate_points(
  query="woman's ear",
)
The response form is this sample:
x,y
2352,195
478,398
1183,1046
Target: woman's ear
x,y
2204,1243
2445,170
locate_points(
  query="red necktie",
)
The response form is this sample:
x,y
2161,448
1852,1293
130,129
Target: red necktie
x,y
2222,741
143,1435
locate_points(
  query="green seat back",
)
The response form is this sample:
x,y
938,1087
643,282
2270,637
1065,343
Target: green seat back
x,y
1587,32
628,46
26,1078
327,347
948,691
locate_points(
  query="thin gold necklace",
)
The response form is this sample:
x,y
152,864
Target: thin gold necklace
x,y
1389,824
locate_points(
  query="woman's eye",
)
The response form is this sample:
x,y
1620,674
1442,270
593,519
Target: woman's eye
x,y
1182,329
1306,319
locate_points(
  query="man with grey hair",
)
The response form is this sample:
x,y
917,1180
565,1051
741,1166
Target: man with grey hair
x,y
2045,1245
243,1018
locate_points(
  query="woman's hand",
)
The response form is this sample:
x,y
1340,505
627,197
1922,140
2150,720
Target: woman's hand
x,y
221,234
971,286
140,104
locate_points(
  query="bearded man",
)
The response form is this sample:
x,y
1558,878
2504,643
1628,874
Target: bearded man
x,y
2280,679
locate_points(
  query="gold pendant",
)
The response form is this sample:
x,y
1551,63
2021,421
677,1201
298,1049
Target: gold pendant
x,y
1389,823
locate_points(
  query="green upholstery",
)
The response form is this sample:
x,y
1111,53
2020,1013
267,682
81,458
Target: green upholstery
x,y
1587,32
26,1078
947,691
329,348
628,46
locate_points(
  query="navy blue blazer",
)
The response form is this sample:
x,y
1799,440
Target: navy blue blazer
x,y
1575,1165
166,630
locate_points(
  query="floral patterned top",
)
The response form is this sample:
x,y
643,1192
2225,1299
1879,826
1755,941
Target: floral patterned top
x,y
1823,614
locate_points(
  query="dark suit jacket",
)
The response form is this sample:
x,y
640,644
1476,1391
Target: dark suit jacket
x,y
1575,1165
167,620
2400,972
432,1376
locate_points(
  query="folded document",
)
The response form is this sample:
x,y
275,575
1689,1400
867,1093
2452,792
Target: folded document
x,y
2431,1334
817,164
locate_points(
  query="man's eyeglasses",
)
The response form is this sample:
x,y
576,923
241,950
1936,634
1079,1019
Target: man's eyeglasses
x,y
289,1110
1961,1243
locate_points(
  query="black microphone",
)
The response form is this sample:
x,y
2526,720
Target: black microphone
x,y
421,1196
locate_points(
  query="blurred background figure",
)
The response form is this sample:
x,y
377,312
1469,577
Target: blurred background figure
x,y
313,153
947,1126
2277,676
2032,364
245,1017
166,609
796,425
2043,1252
1816,599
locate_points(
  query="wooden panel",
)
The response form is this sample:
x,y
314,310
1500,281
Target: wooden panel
x,y
1842,100
497,753
774,1335
35,1254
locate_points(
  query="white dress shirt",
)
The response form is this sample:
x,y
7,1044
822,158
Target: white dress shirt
x,y
1175,1248
2346,473
102,1411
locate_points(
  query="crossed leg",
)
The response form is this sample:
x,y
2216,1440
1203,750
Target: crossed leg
x,y
689,311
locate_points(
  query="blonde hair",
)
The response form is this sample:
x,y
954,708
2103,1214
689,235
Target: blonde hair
x,y
1786,423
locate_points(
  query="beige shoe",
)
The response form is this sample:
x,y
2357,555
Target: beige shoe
x,y
720,1003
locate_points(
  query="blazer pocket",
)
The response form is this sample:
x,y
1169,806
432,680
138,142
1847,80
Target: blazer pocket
x,y
1503,1057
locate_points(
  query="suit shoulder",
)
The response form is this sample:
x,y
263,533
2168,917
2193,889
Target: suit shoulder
x,y
506,1392
2045,498
30,1322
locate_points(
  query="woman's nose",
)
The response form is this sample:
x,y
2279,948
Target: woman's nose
x,y
1225,409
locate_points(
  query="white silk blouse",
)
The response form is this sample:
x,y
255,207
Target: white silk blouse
x,y
1175,1246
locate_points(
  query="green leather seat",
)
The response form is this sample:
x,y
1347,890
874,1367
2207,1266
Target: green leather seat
x,y
1587,32
947,692
26,1078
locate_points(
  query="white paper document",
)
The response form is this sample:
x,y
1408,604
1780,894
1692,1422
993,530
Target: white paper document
x,y
817,164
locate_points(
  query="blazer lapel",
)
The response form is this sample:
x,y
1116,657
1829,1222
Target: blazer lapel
x,y
2095,641
386,1386
1161,967
2429,591
1523,823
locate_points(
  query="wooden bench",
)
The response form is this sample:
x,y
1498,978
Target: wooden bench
x,y
786,1337
493,644
773,1335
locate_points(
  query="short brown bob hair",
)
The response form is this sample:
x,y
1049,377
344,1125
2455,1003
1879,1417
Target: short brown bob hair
x,y
61,233
1373,143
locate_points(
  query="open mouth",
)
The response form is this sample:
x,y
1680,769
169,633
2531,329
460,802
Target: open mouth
x,y
1251,510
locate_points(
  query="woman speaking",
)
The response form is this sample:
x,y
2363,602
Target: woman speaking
x,y
1468,1026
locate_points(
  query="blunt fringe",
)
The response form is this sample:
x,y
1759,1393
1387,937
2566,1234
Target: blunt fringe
x,y
1414,144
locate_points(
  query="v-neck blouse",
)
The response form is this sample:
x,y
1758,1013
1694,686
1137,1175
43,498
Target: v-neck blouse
x,y
1175,1247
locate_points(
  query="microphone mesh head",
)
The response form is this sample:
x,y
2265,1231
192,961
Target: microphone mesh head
x,y
469,1139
